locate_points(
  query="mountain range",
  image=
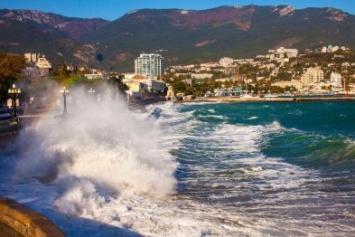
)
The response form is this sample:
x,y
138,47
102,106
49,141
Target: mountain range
x,y
181,36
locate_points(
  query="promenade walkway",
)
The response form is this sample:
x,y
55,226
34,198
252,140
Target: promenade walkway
x,y
17,220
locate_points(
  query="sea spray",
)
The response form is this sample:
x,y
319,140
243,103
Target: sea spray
x,y
97,150
233,179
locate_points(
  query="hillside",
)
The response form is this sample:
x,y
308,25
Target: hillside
x,y
56,36
182,37
196,36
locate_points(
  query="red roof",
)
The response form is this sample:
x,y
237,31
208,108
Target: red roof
x,y
139,77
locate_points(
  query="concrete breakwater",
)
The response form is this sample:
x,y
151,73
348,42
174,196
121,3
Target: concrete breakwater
x,y
18,220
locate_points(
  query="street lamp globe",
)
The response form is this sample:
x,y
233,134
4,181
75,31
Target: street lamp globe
x,y
14,93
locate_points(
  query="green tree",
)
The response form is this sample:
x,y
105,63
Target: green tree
x,y
11,67
64,73
179,86
117,81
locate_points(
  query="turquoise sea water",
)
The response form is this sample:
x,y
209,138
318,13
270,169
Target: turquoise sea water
x,y
291,165
195,169
309,134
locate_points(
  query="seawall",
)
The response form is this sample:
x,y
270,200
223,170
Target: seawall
x,y
25,222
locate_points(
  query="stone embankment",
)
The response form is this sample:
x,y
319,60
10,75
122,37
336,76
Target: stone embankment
x,y
18,220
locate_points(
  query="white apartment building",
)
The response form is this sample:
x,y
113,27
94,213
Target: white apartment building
x,y
332,49
140,88
226,61
201,75
39,60
32,57
43,63
283,53
312,76
149,65
155,85
290,53
329,49
336,79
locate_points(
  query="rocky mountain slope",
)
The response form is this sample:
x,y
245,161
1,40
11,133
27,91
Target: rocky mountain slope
x,y
57,37
180,36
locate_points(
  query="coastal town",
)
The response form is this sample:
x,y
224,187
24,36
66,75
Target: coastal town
x,y
281,75
177,118
281,72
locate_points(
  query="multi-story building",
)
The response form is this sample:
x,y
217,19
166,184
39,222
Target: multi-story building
x,y
226,61
149,65
42,62
283,53
336,79
312,76
39,60
144,87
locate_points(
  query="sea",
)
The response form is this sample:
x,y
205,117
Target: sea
x,y
189,169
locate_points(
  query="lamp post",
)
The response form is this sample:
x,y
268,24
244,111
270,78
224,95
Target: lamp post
x,y
65,92
14,92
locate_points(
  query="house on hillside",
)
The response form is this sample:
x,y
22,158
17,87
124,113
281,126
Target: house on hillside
x,y
40,62
43,63
92,76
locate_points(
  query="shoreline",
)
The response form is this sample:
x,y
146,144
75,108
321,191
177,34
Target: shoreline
x,y
230,99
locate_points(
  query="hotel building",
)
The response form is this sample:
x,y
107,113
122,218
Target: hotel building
x,y
149,65
312,76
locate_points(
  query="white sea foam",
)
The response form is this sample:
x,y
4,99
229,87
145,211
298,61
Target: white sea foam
x,y
239,138
108,172
108,146
253,118
102,172
220,117
94,154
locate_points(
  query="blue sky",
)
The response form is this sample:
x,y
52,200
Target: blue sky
x,y
113,9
